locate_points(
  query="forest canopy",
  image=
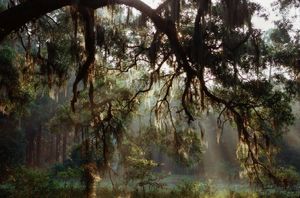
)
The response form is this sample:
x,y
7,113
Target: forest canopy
x,y
175,64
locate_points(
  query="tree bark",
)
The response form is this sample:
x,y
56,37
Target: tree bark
x,y
76,133
29,151
57,148
64,147
90,178
52,149
38,146
14,18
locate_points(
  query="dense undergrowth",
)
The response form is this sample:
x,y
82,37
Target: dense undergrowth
x,y
66,183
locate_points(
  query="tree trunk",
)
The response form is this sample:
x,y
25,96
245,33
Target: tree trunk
x,y
29,151
76,133
64,147
38,146
57,148
90,178
52,149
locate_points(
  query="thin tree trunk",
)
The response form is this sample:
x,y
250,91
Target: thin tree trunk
x,y
38,146
57,148
76,133
64,147
52,149
29,151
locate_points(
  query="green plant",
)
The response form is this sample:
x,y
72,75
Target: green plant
x,y
140,172
187,189
287,177
30,183
69,174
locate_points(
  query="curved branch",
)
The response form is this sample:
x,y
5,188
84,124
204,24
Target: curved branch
x,y
90,47
16,17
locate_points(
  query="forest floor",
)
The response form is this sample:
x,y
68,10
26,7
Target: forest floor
x,y
191,186
175,186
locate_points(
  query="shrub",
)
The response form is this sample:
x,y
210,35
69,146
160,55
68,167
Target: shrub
x,y
30,183
287,177
187,189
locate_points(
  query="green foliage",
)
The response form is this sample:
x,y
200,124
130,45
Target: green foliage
x,y
189,148
76,156
2,7
7,55
30,183
139,169
280,36
187,189
12,95
63,119
66,171
287,177
59,62
184,145
194,190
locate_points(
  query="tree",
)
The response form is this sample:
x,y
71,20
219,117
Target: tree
x,y
211,48
12,146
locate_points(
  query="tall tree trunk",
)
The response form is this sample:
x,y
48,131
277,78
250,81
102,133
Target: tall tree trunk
x,y
52,149
76,133
90,178
57,148
29,151
64,147
38,146
30,145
